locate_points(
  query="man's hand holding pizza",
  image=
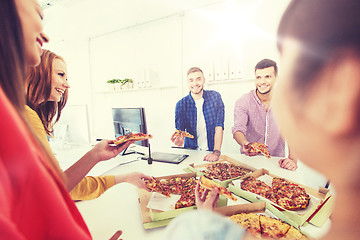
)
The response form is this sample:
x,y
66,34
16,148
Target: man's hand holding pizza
x,y
247,150
178,140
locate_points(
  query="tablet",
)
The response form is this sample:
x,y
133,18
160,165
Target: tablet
x,y
166,157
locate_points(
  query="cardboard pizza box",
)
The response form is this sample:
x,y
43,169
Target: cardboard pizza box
x,y
317,213
256,207
222,159
153,218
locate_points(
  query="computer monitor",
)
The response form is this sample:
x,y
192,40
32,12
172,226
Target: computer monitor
x,y
127,120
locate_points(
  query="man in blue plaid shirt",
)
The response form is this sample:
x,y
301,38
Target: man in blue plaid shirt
x,y
201,113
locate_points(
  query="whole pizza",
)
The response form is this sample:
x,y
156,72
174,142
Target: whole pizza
x,y
287,195
224,171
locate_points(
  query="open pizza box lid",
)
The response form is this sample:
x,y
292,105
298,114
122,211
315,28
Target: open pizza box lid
x,y
317,212
153,218
222,159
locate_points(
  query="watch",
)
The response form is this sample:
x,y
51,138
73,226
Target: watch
x,y
217,152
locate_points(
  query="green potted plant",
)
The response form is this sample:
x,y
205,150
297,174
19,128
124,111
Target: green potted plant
x,y
128,82
114,83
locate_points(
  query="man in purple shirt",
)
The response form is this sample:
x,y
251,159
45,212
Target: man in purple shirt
x,y
254,120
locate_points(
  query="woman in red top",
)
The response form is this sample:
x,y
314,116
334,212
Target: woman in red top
x,y
34,201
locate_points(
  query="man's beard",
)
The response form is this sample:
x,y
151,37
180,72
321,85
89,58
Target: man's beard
x,y
263,93
199,90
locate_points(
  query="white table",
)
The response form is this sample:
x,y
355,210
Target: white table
x,y
118,208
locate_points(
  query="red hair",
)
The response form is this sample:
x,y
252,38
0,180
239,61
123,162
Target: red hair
x,y
39,85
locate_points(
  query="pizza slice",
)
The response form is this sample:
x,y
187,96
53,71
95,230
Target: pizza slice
x,y
294,234
155,185
209,184
273,228
131,136
186,200
183,133
259,147
249,221
256,186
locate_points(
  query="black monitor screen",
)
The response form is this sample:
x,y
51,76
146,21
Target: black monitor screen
x,y
127,120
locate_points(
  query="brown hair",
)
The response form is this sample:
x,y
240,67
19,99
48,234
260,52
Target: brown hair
x,y
39,85
12,69
194,69
322,27
266,63
12,54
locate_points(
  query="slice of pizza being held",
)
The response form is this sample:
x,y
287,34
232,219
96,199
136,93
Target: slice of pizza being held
x,y
155,185
132,137
209,184
259,147
183,133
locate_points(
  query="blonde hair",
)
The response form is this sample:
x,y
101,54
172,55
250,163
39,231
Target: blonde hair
x,y
194,69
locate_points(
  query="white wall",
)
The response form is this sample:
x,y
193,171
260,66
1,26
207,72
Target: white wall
x,y
160,39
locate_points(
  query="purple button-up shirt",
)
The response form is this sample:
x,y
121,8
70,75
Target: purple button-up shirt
x,y
257,124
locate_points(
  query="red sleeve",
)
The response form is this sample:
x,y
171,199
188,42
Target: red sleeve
x,y
34,203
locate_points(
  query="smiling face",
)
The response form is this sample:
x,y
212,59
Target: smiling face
x,y
264,80
59,83
196,82
30,14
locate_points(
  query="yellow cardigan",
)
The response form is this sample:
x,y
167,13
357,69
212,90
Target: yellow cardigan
x,y
89,187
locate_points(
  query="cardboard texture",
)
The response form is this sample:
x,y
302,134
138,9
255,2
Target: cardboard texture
x,y
316,215
257,207
154,218
222,159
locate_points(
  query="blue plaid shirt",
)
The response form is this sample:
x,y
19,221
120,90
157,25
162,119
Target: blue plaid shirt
x,y
186,117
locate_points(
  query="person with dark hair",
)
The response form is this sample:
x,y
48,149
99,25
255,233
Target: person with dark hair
x,y
318,96
34,201
201,113
254,120
47,93
317,104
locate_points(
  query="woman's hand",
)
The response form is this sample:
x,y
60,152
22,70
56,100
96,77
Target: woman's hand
x,y
104,151
204,202
135,178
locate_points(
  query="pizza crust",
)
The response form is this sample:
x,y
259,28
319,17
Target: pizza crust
x,y
131,137
209,184
183,133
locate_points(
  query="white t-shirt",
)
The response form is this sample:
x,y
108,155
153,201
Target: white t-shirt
x,y
201,126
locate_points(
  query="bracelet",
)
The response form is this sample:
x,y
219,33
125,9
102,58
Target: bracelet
x,y
217,152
